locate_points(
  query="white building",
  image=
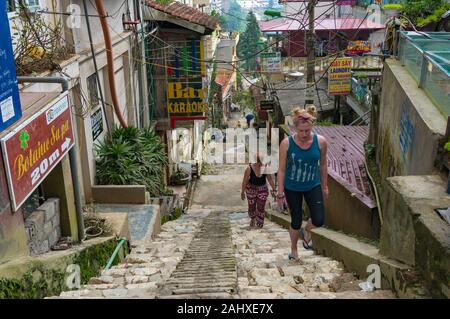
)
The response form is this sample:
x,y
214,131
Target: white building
x,y
90,93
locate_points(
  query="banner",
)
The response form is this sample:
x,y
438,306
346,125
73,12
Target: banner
x,y
35,147
339,77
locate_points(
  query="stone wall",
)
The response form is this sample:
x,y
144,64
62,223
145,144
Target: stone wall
x,y
412,231
410,126
43,227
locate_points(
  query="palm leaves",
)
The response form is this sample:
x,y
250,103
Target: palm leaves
x,y
132,156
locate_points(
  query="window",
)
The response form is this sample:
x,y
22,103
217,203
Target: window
x,y
33,5
93,90
11,6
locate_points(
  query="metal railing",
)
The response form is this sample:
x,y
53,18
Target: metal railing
x,y
294,64
426,56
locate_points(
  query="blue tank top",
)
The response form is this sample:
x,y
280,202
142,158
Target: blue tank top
x,y
302,168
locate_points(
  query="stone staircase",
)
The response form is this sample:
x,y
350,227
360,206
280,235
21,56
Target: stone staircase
x,y
213,254
209,265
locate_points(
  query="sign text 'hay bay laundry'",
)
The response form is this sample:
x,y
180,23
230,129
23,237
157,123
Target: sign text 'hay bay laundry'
x,y
35,147
339,76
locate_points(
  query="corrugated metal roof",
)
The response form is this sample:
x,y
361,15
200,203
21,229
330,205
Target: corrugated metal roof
x,y
346,160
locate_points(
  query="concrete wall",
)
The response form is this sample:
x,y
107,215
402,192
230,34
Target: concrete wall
x,y
113,8
226,51
412,231
43,227
350,215
410,126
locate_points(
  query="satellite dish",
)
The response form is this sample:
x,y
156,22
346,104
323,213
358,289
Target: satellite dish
x,y
296,74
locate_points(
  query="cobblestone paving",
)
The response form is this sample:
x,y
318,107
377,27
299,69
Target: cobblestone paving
x,y
210,252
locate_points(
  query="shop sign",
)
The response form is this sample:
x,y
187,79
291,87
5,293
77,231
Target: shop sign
x,y
10,109
186,98
271,62
266,105
35,147
339,77
358,47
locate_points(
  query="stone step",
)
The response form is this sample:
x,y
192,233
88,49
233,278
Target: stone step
x,y
203,275
206,268
200,280
207,259
188,291
231,285
217,295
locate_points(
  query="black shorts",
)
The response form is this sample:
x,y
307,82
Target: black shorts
x,y
314,200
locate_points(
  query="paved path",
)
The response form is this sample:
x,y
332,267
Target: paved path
x,y
210,252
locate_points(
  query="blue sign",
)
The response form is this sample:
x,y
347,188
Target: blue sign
x,y
10,110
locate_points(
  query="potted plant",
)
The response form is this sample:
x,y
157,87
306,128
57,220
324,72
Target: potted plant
x,y
180,177
392,9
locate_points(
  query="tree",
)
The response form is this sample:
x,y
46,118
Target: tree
x,y
248,46
223,21
420,11
235,16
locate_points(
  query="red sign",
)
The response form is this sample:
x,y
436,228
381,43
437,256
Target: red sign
x,y
34,148
358,47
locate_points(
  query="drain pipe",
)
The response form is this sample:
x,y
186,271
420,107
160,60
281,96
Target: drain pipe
x,y
72,153
110,62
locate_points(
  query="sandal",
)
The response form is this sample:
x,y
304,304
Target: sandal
x,y
307,245
291,257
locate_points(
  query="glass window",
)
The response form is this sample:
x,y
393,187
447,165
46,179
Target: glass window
x,y
11,5
93,90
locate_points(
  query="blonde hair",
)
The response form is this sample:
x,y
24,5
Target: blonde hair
x,y
302,115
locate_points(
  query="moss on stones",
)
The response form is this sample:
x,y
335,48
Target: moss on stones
x,y
41,281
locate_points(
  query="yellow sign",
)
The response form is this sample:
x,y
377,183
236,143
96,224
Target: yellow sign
x,y
182,107
186,98
339,77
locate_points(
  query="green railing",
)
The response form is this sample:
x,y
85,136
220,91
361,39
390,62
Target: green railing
x,y
427,58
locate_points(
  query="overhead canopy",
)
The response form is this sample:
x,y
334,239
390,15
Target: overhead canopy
x,y
283,24
180,14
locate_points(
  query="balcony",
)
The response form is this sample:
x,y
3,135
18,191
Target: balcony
x,y
426,56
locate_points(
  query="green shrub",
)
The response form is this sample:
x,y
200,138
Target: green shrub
x,y
397,6
132,156
418,11
434,17
447,146
324,123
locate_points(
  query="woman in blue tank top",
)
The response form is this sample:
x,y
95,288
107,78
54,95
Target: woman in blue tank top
x,y
303,173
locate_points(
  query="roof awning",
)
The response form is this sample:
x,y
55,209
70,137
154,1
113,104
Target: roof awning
x,y
180,14
283,24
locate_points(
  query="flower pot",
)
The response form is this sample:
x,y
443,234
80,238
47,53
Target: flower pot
x,y
178,180
392,12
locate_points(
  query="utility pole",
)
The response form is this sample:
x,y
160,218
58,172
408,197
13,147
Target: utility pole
x,y
311,55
